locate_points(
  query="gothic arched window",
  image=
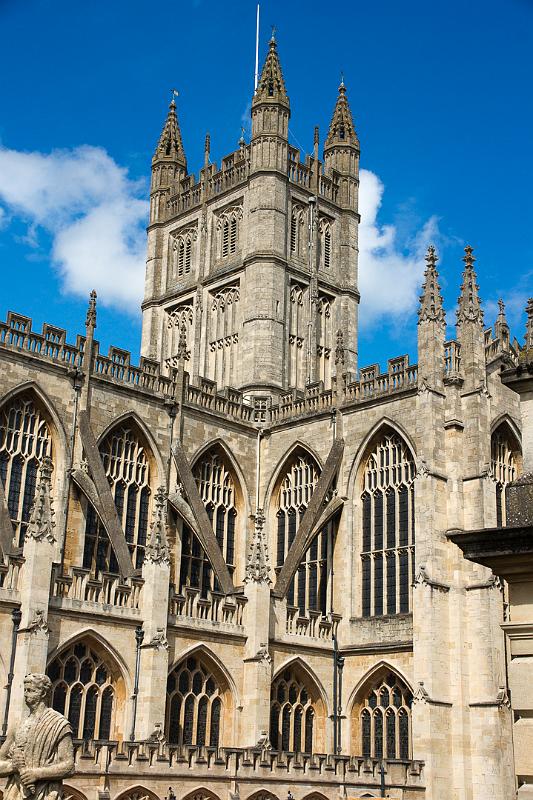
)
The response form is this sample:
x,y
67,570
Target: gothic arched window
x,y
382,719
182,249
324,338
325,243
25,439
195,704
223,336
309,590
505,457
84,691
388,534
297,333
297,237
295,713
217,488
128,472
228,232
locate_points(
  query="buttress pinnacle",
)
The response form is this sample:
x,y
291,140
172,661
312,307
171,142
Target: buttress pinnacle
x,y
341,128
469,303
170,145
271,86
431,307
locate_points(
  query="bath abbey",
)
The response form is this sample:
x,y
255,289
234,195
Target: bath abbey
x,y
251,568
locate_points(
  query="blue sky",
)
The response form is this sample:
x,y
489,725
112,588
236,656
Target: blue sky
x,y
440,93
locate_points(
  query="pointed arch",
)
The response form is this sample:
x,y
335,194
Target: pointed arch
x,y
262,794
219,442
216,662
70,793
364,447
201,794
298,709
315,796
88,686
137,792
92,635
296,662
145,434
507,421
505,461
200,701
298,444
371,675
49,408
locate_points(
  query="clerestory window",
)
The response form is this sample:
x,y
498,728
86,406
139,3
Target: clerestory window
x,y
194,704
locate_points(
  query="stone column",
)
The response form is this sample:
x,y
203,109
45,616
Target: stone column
x,y
257,660
34,582
154,652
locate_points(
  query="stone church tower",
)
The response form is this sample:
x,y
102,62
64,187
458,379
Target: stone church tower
x,y
234,559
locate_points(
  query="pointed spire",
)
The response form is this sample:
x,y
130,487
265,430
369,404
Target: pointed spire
x,y
41,524
157,548
341,128
431,307
170,145
257,567
528,345
469,303
271,86
90,319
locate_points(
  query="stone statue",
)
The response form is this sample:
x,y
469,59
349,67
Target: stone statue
x,y
39,753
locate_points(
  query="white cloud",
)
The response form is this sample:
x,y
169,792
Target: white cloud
x,y
92,211
390,271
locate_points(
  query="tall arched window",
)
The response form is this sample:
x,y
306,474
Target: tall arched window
x,y
218,490
228,231
296,713
182,252
505,458
382,719
84,690
310,589
297,333
388,534
195,704
297,234
24,441
324,338
223,336
128,472
325,243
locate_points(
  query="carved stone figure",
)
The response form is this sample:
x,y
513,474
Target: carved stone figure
x,y
39,753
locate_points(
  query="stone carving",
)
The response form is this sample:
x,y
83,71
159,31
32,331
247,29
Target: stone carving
x,y
38,623
257,565
158,640
39,753
41,525
157,548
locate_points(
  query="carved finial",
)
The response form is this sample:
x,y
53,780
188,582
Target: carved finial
x,y
339,350
41,524
469,304
183,354
90,319
501,307
273,35
157,548
528,345
431,307
257,566
316,138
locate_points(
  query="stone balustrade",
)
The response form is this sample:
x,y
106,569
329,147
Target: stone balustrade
x,y
77,585
313,624
214,610
9,576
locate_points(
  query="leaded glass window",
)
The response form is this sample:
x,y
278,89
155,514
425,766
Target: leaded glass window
x,y
25,439
387,505
194,704
385,718
128,472
292,716
83,690
504,466
310,589
217,489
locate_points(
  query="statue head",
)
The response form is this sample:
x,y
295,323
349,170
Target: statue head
x,y
37,688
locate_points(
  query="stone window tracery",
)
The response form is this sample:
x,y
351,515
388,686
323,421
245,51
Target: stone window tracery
x,y
84,691
182,252
195,704
228,231
324,338
504,468
297,333
310,589
383,719
179,319
128,473
297,233
292,714
388,534
217,489
25,439
325,243
223,335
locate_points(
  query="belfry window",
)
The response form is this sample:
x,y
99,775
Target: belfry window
x,y
293,713
182,252
325,243
83,690
228,232
505,458
384,719
310,588
25,440
218,492
297,233
195,704
387,504
128,472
